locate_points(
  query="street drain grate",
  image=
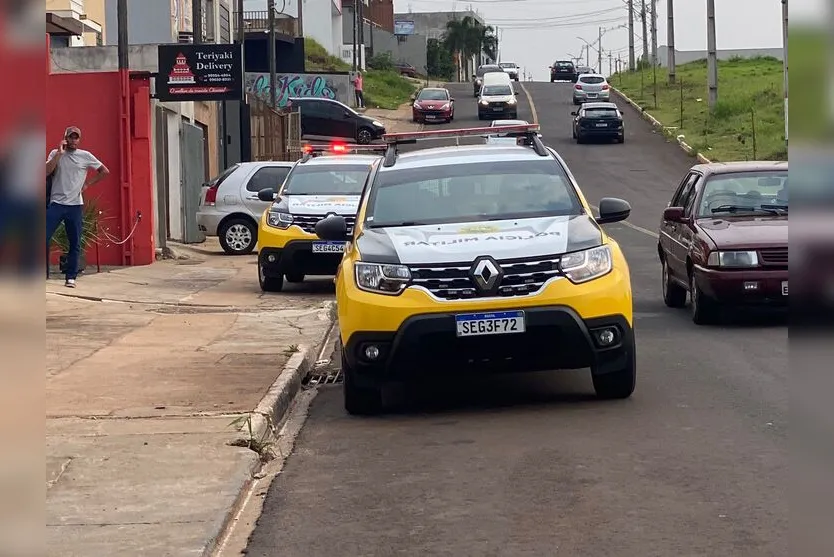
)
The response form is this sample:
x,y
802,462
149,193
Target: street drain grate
x,y
323,373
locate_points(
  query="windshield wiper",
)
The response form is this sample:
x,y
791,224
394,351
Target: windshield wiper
x,y
733,209
779,209
396,224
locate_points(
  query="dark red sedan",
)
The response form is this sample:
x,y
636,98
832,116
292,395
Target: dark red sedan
x,y
433,104
723,238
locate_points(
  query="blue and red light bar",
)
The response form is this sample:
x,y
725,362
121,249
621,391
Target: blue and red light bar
x,y
410,137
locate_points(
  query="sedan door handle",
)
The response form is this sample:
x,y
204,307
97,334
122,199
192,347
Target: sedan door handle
x,y
253,198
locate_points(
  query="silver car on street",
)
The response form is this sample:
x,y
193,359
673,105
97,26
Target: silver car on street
x,y
591,87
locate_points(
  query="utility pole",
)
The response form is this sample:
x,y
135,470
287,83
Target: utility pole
x,y
631,66
712,56
354,34
785,62
196,21
670,40
300,18
273,98
645,31
610,64
121,31
361,33
599,51
654,32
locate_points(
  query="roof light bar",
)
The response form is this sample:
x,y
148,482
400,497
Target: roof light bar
x,y
341,148
411,137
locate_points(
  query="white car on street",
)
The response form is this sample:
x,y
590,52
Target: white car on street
x,y
229,204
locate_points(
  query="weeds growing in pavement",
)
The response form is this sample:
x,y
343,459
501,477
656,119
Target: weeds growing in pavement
x,y
263,446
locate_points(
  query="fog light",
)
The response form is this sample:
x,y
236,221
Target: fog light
x,y
751,285
271,258
371,352
606,337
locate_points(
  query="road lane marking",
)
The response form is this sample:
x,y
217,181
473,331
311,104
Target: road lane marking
x,y
530,100
645,231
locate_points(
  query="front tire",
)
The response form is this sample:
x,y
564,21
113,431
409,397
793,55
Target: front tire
x,y
704,309
364,136
238,236
269,284
674,295
618,384
359,400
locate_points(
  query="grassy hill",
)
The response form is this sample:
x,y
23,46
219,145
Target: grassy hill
x,y
383,88
748,120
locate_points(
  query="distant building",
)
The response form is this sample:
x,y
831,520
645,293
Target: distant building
x,y
685,56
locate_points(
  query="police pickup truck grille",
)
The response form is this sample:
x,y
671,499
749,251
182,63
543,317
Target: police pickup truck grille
x,y
452,281
308,222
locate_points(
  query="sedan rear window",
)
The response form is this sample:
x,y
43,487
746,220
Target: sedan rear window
x,y
601,113
486,69
472,192
592,79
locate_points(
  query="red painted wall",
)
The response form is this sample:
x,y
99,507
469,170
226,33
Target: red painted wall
x,y
91,101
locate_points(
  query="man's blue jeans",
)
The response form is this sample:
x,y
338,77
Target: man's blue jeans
x,y
73,217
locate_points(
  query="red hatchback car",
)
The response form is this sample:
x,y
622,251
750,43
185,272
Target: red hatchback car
x,y
724,238
433,104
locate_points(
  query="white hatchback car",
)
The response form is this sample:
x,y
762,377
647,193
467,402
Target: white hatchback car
x,y
590,88
229,204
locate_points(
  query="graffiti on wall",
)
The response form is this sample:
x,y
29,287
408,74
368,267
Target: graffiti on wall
x,y
328,86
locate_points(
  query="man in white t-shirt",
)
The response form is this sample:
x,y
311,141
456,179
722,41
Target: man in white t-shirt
x,y
70,166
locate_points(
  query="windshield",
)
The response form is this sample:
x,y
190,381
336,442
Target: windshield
x,y
601,113
745,192
342,179
432,95
472,192
496,90
507,65
592,79
486,69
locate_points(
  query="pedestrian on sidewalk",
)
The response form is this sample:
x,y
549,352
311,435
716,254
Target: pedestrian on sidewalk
x,y
69,166
357,89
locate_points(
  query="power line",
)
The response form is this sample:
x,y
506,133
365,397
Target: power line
x,y
558,18
535,25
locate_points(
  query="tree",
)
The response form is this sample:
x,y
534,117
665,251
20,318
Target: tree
x,y
485,40
440,61
458,39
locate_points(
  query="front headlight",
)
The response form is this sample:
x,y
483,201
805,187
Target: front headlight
x,y
416,105
277,219
733,259
484,102
512,101
378,124
583,266
382,278
446,106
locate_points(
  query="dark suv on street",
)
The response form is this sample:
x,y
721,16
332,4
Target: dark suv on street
x,y
563,70
326,118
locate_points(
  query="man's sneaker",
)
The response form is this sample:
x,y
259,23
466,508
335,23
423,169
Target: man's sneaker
x,y
70,283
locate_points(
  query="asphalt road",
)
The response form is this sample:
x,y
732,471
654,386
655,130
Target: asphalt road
x,y
694,464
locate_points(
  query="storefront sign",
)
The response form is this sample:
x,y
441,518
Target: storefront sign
x,y
199,72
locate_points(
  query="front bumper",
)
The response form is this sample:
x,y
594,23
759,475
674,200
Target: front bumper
x,y
208,220
426,345
425,115
297,256
503,110
729,286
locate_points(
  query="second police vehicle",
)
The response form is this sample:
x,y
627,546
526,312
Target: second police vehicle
x,y
328,180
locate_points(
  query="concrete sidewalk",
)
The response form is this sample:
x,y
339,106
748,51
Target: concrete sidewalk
x,y
146,369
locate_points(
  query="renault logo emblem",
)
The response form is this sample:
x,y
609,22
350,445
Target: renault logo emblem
x,y
486,274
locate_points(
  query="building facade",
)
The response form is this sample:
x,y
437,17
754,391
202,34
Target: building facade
x,y
432,25
75,22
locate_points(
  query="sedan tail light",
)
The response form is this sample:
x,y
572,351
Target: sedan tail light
x,y
577,87
211,196
605,87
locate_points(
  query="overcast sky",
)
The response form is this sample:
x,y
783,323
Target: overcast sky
x,y
534,33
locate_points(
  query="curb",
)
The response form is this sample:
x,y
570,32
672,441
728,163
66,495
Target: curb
x,y
656,124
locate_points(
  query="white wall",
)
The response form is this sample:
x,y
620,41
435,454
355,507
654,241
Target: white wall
x,y
177,231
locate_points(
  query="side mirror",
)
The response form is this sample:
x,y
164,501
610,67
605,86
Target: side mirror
x,y
332,229
267,194
612,209
673,214
573,113
452,100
